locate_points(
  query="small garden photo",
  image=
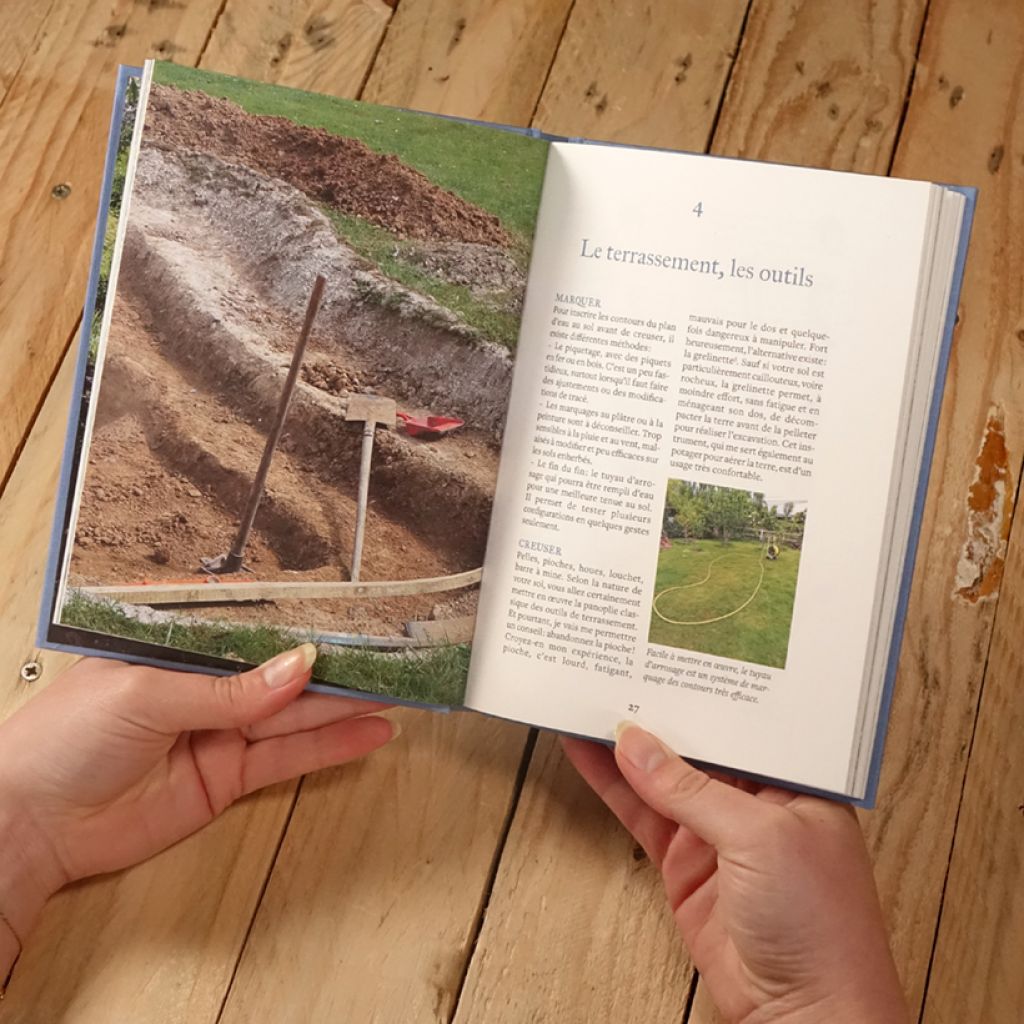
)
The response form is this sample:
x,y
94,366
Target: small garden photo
x,y
728,563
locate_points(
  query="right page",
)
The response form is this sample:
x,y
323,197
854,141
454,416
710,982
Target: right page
x,y
701,455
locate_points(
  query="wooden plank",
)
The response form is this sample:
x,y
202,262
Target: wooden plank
x,y
22,21
661,82
324,45
578,909
157,943
965,102
377,889
26,514
448,631
976,972
474,58
821,84
53,130
570,974
971,97
217,591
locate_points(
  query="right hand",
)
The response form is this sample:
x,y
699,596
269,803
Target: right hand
x,y
772,891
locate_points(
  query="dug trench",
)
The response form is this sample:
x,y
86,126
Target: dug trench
x,y
216,272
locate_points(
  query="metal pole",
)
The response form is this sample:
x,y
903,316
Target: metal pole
x,y
364,490
233,560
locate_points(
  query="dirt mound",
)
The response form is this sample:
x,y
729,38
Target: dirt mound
x,y
260,245
333,169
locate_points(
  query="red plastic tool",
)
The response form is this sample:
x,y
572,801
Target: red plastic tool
x,y
430,427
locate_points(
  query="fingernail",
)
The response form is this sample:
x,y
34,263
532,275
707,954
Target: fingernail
x,y
396,729
283,668
642,750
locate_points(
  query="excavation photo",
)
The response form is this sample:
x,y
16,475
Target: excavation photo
x,y
728,562
300,391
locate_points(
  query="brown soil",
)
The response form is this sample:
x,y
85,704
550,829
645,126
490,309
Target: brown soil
x,y
212,290
168,473
333,169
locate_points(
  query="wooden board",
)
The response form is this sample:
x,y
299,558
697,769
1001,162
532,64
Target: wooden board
x,y
217,591
53,131
372,907
976,971
821,84
569,974
325,45
648,73
378,890
577,927
942,661
157,943
22,20
970,51
448,631
486,59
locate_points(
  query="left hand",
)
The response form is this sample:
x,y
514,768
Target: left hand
x,y
113,762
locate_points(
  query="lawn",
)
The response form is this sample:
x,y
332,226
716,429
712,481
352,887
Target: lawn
x,y
434,676
391,255
759,633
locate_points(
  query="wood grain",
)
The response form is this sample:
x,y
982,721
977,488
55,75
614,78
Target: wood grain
x,y
943,662
157,943
486,59
821,84
379,887
976,973
380,881
324,45
967,51
568,972
577,927
650,74
26,519
53,130
22,21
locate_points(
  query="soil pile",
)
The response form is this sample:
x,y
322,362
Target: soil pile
x,y
342,172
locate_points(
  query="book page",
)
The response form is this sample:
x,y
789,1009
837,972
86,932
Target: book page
x,y
693,495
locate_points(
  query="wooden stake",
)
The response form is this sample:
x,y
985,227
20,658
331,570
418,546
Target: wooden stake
x,y
372,410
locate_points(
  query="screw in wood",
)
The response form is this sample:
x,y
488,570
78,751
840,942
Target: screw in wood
x,y
61,191
31,671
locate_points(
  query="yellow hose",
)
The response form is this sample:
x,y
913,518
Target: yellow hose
x,y
687,586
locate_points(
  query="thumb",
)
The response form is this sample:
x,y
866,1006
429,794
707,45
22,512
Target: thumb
x,y
174,702
715,811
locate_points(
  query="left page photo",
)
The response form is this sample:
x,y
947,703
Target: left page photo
x,y
296,382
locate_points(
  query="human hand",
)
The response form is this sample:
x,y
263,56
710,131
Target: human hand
x,y
772,891
112,763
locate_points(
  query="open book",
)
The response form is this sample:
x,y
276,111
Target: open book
x,y
562,432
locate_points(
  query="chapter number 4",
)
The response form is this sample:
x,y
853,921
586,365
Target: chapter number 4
x,y
698,210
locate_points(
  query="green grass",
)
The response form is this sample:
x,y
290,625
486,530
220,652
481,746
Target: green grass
x,y
109,236
499,171
759,633
391,255
435,676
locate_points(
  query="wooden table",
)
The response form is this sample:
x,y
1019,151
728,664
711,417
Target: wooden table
x,y
467,874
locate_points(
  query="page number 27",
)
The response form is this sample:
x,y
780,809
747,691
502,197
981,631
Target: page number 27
x,y
698,210
632,708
